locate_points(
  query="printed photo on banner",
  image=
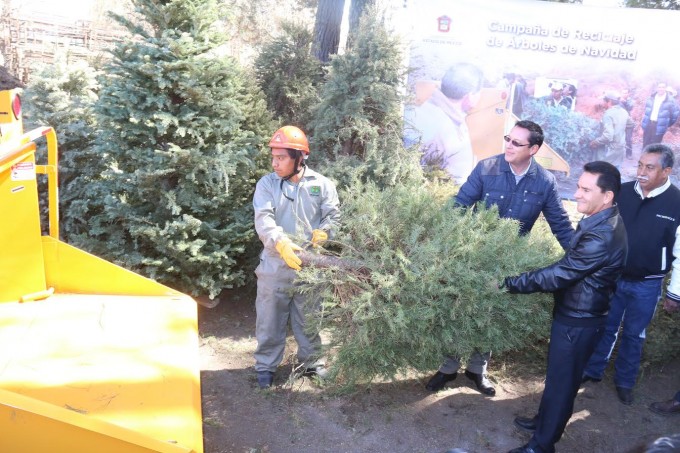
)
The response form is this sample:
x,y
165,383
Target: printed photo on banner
x,y
599,81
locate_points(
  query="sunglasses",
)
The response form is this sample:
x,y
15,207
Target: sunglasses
x,y
515,143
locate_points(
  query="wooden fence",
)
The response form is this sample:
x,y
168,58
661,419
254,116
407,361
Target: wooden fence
x,y
25,41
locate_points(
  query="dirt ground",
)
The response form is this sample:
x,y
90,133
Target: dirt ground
x,y
298,416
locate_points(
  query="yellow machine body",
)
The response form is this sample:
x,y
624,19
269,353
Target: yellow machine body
x,y
94,357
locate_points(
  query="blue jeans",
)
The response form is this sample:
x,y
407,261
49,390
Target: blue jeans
x,y
634,303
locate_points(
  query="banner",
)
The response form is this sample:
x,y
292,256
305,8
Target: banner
x,y
552,63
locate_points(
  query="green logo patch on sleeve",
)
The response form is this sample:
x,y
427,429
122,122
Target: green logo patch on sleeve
x,y
315,191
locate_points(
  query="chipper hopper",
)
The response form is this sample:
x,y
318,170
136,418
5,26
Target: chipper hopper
x,y
94,358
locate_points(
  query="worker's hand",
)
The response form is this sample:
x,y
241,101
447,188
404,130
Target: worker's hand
x,y
593,144
287,251
670,306
318,237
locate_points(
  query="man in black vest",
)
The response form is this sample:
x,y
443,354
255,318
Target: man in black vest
x,y
650,208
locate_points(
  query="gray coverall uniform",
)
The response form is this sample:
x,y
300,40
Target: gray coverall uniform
x,y
282,209
613,136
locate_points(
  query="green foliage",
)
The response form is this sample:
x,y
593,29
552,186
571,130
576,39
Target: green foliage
x,y
653,4
181,132
356,10
425,285
289,76
62,95
357,127
251,23
247,19
569,133
662,334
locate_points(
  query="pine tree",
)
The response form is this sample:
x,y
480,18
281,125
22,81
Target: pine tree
x,y
62,95
181,134
357,126
289,75
418,282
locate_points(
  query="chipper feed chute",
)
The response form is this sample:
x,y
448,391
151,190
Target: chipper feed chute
x,y
94,358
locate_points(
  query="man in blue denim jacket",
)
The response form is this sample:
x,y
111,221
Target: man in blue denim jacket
x,y
522,190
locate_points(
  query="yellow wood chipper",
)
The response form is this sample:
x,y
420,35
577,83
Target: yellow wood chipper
x,y
94,358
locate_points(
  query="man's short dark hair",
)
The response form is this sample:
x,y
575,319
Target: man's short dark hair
x,y
461,79
608,176
667,157
293,153
535,132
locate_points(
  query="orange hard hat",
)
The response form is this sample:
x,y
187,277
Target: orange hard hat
x,y
290,137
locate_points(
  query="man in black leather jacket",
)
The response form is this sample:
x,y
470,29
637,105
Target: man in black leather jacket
x,y
582,282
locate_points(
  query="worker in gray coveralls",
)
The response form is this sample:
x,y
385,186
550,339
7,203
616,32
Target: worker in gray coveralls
x,y
294,203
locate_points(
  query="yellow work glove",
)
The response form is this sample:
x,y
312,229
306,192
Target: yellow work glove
x,y
319,236
287,251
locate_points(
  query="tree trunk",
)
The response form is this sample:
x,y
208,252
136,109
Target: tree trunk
x,y
325,261
356,9
327,28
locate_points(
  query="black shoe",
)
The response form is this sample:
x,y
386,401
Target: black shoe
x,y
625,395
670,407
587,378
524,449
481,382
265,379
439,380
526,424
